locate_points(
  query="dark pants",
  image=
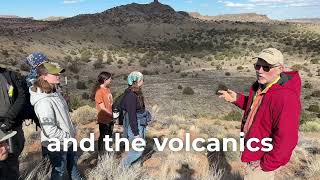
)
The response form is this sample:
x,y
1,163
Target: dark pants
x,y
12,162
60,161
104,129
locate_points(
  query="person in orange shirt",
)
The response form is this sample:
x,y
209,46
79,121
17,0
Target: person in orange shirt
x,y
102,96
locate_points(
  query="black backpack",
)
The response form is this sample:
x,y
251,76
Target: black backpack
x,y
27,113
28,110
116,107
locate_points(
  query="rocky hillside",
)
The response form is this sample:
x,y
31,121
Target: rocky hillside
x,y
11,26
245,17
131,13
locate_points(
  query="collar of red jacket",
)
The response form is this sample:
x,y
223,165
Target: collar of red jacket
x,y
289,80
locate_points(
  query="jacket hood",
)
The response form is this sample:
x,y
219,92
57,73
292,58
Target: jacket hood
x,y
289,80
37,96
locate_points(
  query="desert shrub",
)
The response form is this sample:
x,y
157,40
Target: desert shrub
x,y
183,75
315,93
5,53
13,62
314,108
74,67
314,61
306,117
85,95
120,61
84,115
297,67
68,58
307,85
188,91
240,68
98,64
180,87
307,97
219,67
81,85
310,126
233,116
228,74
75,102
72,52
85,55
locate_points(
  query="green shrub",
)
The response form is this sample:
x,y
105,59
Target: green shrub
x,y
240,68
81,85
24,67
188,91
306,117
219,67
98,64
85,95
315,93
307,85
5,53
314,61
314,108
85,55
74,67
296,67
183,75
75,102
68,58
180,87
228,74
233,116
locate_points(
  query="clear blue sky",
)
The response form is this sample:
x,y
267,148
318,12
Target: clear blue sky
x,y
275,9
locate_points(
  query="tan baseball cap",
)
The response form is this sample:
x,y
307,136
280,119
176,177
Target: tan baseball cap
x,y
271,55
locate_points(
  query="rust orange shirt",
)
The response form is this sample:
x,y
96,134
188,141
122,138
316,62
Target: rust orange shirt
x,y
103,95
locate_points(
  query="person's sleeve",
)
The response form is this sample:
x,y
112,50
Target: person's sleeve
x,y
241,101
19,102
132,113
286,112
48,121
98,97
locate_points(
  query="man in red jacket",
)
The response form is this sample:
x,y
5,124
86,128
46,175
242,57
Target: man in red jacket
x,y
271,110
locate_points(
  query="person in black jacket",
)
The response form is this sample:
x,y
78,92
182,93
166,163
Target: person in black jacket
x,y
133,105
12,98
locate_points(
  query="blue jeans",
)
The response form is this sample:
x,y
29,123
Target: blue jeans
x,y
132,156
60,161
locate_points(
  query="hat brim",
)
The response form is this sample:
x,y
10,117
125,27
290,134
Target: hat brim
x,y
8,136
52,69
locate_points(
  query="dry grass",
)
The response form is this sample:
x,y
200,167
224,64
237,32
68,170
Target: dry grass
x,y
313,169
109,168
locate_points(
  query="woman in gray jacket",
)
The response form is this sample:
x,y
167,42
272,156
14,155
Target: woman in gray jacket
x,y
52,112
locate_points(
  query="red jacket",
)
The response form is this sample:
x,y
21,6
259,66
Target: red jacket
x,y
277,117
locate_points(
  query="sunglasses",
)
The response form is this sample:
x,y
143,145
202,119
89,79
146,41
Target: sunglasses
x,y
265,68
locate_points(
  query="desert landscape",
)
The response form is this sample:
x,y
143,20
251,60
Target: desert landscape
x,y
184,57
